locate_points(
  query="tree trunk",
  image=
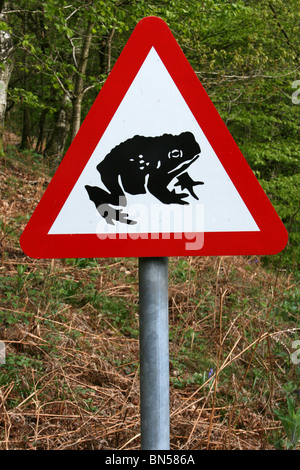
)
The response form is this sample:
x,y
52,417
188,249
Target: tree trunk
x,y
40,139
79,80
56,145
76,115
26,130
6,49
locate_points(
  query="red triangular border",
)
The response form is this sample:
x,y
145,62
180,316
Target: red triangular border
x,y
150,32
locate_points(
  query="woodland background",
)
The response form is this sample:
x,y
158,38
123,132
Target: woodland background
x,y
71,326
56,55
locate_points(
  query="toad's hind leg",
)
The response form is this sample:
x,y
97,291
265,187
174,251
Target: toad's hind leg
x,y
116,194
104,203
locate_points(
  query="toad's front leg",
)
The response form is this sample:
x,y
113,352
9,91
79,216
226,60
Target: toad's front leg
x,y
162,193
186,182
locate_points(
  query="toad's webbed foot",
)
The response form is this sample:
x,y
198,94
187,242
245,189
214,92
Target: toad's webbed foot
x,y
186,182
112,215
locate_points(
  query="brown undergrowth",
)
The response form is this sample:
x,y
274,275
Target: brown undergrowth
x,y
70,330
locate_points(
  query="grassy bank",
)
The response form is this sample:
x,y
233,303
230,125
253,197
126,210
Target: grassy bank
x,y
70,329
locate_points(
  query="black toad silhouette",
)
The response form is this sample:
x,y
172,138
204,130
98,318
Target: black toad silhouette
x,y
142,164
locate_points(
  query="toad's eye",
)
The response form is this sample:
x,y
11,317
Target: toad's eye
x,y
175,153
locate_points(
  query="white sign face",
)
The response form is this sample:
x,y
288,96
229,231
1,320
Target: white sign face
x,y
152,107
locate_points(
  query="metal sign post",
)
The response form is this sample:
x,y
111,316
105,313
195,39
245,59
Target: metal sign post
x,y
154,353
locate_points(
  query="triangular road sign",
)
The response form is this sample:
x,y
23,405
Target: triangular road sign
x,y
153,170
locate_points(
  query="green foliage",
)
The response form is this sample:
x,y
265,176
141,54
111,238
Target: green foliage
x,y
290,419
14,371
289,307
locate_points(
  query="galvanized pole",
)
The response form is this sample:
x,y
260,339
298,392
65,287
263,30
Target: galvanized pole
x,y
154,353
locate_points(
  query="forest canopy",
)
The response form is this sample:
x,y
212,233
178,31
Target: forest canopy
x,y
56,55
